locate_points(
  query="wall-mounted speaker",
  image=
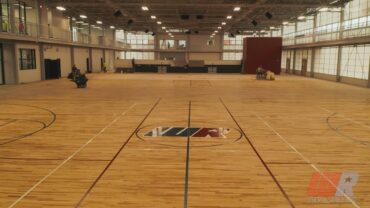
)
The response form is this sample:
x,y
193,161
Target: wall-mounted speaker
x,y
184,17
268,15
118,13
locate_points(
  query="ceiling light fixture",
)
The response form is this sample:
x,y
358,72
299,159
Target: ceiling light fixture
x,y
99,22
236,9
301,17
219,28
229,17
145,8
153,17
159,22
83,16
112,27
60,8
223,23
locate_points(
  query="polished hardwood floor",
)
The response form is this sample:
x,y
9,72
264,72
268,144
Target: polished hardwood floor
x,y
66,147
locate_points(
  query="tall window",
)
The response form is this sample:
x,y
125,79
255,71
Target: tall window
x,y
304,31
326,60
233,43
21,19
167,44
27,59
355,61
139,55
232,56
356,18
288,34
4,16
182,44
140,40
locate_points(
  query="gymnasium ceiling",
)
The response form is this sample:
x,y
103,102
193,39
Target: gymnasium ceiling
x,y
169,12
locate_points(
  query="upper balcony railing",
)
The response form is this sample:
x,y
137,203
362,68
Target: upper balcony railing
x,y
349,29
56,33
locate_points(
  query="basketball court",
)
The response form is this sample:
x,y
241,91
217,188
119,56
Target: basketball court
x,y
185,140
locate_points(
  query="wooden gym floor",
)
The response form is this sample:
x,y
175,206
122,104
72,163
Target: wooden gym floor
x,y
66,147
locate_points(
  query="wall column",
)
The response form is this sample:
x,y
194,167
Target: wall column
x,y
104,57
71,28
90,60
114,38
368,80
314,27
339,61
90,39
294,55
312,62
295,31
72,56
341,17
42,63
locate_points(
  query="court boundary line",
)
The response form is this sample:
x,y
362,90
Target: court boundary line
x,y
186,188
45,126
340,133
115,156
259,156
346,118
307,160
70,157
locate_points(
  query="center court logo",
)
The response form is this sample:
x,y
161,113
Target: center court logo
x,y
185,132
176,135
332,187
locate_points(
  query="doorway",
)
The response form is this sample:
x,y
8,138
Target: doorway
x,y
101,64
2,73
88,65
304,67
52,69
288,65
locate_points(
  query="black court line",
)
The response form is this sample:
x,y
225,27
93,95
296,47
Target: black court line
x,y
338,131
7,123
115,156
187,160
259,156
45,126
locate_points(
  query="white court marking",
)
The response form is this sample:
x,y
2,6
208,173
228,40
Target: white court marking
x,y
307,160
70,157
